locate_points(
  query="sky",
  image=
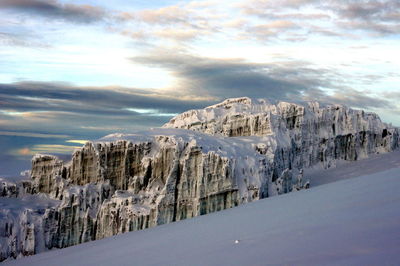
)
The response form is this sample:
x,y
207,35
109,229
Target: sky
x,y
73,70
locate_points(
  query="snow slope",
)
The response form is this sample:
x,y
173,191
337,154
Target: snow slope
x,y
344,170
354,221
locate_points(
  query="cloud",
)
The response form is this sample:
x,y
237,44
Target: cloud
x,y
387,11
151,112
42,96
392,95
379,17
12,39
102,128
233,77
24,152
263,8
264,19
88,111
272,29
377,29
56,10
45,149
78,141
331,18
289,80
353,98
181,23
165,15
179,34
32,135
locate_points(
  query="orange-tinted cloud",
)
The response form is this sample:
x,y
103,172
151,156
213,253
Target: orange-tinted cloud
x,y
45,149
24,151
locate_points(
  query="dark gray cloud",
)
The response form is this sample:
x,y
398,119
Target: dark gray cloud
x,y
63,108
377,17
224,77
372,10
288,80
56,10
24,94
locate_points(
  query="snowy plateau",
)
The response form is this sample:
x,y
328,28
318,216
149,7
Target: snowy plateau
x,y
209,160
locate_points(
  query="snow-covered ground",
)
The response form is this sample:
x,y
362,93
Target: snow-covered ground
x,y
355,221
347,169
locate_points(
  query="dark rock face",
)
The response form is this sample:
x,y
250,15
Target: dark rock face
x,y
234,152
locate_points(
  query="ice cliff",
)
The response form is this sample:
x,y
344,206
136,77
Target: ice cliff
x,y
201,161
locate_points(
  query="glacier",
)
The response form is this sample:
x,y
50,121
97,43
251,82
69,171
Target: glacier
x,y
354,221
201,161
